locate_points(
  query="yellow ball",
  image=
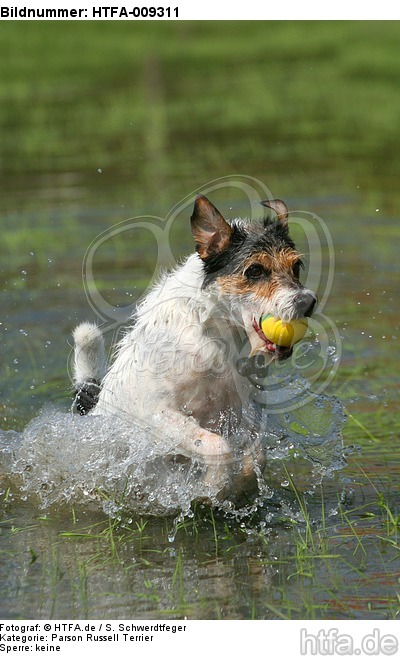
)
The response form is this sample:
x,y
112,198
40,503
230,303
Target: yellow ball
x,y
283,334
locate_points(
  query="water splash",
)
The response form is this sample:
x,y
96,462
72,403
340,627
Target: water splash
x,y
105,463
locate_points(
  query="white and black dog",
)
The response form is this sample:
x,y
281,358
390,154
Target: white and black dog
x,y
179,360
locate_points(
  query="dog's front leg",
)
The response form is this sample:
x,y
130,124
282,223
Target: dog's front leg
x,y
199,442
226,473
210,450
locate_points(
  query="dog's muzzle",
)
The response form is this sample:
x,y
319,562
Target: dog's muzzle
x,y
305,303
260,343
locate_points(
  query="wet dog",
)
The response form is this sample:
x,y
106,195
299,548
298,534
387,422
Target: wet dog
x,y
179,360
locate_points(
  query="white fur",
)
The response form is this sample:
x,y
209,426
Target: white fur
x,y
283,304
179,355
179,363
89,354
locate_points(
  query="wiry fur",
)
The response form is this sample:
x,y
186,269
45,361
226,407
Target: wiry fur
x,y
179,360
89,354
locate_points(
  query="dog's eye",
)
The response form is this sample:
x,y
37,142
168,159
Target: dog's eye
x,y
255,271
296,268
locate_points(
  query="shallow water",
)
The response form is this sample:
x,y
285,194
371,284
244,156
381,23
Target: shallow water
x,y
119,466
76,539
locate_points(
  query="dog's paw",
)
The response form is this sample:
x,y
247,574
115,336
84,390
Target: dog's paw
x,y
210,447
86,397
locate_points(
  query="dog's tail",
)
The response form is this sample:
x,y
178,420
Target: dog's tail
x,y
89,366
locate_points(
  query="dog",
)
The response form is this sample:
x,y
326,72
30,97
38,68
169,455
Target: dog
x,y
179,360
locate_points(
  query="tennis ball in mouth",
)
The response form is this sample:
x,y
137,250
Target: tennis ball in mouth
x,y
283,334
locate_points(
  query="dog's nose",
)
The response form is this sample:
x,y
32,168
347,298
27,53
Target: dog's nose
x,y
311,307
306,302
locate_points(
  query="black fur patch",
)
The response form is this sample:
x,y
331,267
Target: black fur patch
x,y
87,397
266,236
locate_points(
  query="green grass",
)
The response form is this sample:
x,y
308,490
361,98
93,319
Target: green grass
x,y
324,551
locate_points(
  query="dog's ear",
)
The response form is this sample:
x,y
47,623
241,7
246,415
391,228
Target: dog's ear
x,y
279,208
211,232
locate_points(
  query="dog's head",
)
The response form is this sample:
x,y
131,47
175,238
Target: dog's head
x,y
254,266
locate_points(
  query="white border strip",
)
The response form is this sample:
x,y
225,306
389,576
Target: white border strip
x,y
133,10
233,637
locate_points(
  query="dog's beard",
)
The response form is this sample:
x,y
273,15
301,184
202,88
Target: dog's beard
x,y
241,312
283,305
